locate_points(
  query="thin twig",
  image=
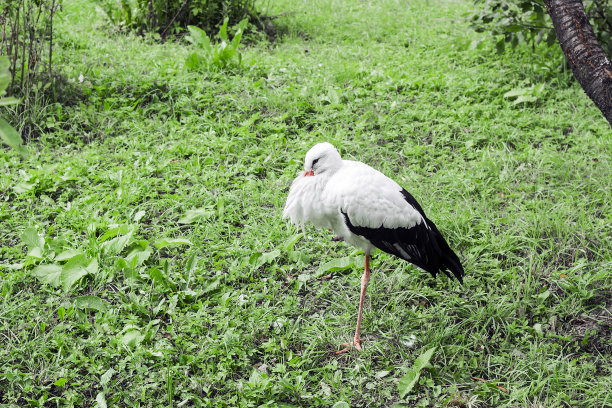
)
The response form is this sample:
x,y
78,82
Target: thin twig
x,y
534,26
51,36
13,48
174,18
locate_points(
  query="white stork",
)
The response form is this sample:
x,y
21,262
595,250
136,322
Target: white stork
x,y
368,210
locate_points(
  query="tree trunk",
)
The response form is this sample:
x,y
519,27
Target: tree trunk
x,y
591,67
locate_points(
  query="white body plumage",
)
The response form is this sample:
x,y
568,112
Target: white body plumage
x,y
368,197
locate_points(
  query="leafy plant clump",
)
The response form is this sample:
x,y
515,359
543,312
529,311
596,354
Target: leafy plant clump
x,y
526,21
219,56
27,40
170,17
526,95
410,379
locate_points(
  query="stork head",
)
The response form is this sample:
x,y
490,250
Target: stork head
x,y
322,158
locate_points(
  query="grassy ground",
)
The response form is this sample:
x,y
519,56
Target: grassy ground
x,y
153,201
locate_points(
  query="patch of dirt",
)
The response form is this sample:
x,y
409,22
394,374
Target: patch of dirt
x,y
593,330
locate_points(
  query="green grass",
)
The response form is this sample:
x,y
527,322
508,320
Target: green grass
x,y
236,316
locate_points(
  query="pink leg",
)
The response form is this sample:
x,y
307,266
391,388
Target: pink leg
x,y
364,285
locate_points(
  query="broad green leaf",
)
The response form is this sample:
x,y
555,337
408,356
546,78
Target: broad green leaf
x,y
68,254
304,277
525,98
242,24
90,302
220,207
513,28
191,263
138,216
5,75
516,92
92,268
198,37
341,404
212,285
31,238
165,242
382,374
190,267
257,377
131,273
158,277
197,214
332,96
544,295
267,257
23,187
291,241
258,259
233,46
101,400
8,101
48,273
423,360
337,264
5,63
75,269
10,137
132,337
223,30
117,244
36,253
4,83
60,382
14,267
138,254
107,376
123,229
254,257
407,382
538,329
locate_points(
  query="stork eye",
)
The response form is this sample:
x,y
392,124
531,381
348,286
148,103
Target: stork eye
x,y
315,161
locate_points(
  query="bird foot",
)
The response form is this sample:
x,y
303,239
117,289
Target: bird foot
x,y
353,344
337,238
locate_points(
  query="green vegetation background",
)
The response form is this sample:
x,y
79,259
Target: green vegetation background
x,y
161,191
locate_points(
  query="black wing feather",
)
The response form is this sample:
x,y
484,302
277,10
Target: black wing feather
x,y
422,244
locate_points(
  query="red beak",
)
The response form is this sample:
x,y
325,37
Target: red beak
x,y
308,173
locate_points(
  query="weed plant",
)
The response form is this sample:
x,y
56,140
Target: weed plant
x,y
221,55
144,262
172,17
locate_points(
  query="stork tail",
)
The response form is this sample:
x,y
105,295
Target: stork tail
x,y
449,261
